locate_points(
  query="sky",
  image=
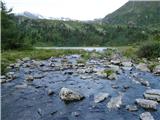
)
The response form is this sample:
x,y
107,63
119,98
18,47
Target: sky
x,y
74,9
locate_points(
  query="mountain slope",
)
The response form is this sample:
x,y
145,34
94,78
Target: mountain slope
x,y
139,13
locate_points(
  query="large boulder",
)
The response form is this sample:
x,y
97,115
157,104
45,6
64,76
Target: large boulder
x,y
152,94
147,104
156,70
115,68
146,116
143,67
67,94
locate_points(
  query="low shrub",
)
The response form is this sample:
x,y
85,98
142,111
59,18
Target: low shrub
x,y
149,50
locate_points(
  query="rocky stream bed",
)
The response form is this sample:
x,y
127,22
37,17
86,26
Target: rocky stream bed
x,y
67,88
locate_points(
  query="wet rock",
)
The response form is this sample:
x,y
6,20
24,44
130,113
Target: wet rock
x,y
127,68
146,116
29,78
38,76
143,67
85,77
116,62
126,87
115,68
152,94
115,102
115,86
147,104
156,70
127,64
39,111
113,76
67,94
23,86
80,65
11,65
11,75
100,97
2,79
142,81
89,70
68,72
50,92
131,108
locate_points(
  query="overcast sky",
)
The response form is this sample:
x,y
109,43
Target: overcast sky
x,y
74,9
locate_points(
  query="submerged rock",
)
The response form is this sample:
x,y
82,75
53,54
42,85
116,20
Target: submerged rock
x,y
67,94
50,92
100,97
115,102
143,67
147,104
146,116
23,86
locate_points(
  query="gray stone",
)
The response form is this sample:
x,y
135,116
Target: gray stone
x,y
115,102
146,116
127,68
131,108
67,94
127,64
100,97
152,94
147,104
113,76
143,67
50,92
116,62
115,68
11,75
156,70
29,78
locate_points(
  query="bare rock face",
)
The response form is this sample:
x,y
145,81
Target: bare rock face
x,y
153,94
115,102
67,94
146,116
156,70
143,67
100,97
147,104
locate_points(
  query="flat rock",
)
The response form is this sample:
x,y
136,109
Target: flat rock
x,y
67,94
100,97
147,104
115,102
116,62
146,116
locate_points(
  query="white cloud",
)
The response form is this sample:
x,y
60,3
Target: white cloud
x,y
75,9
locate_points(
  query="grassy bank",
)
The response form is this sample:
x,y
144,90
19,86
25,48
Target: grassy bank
x,y
9,57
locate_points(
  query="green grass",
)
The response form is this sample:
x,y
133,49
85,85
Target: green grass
x,y
9,57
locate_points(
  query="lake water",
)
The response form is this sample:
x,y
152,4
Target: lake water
x,y
99,49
